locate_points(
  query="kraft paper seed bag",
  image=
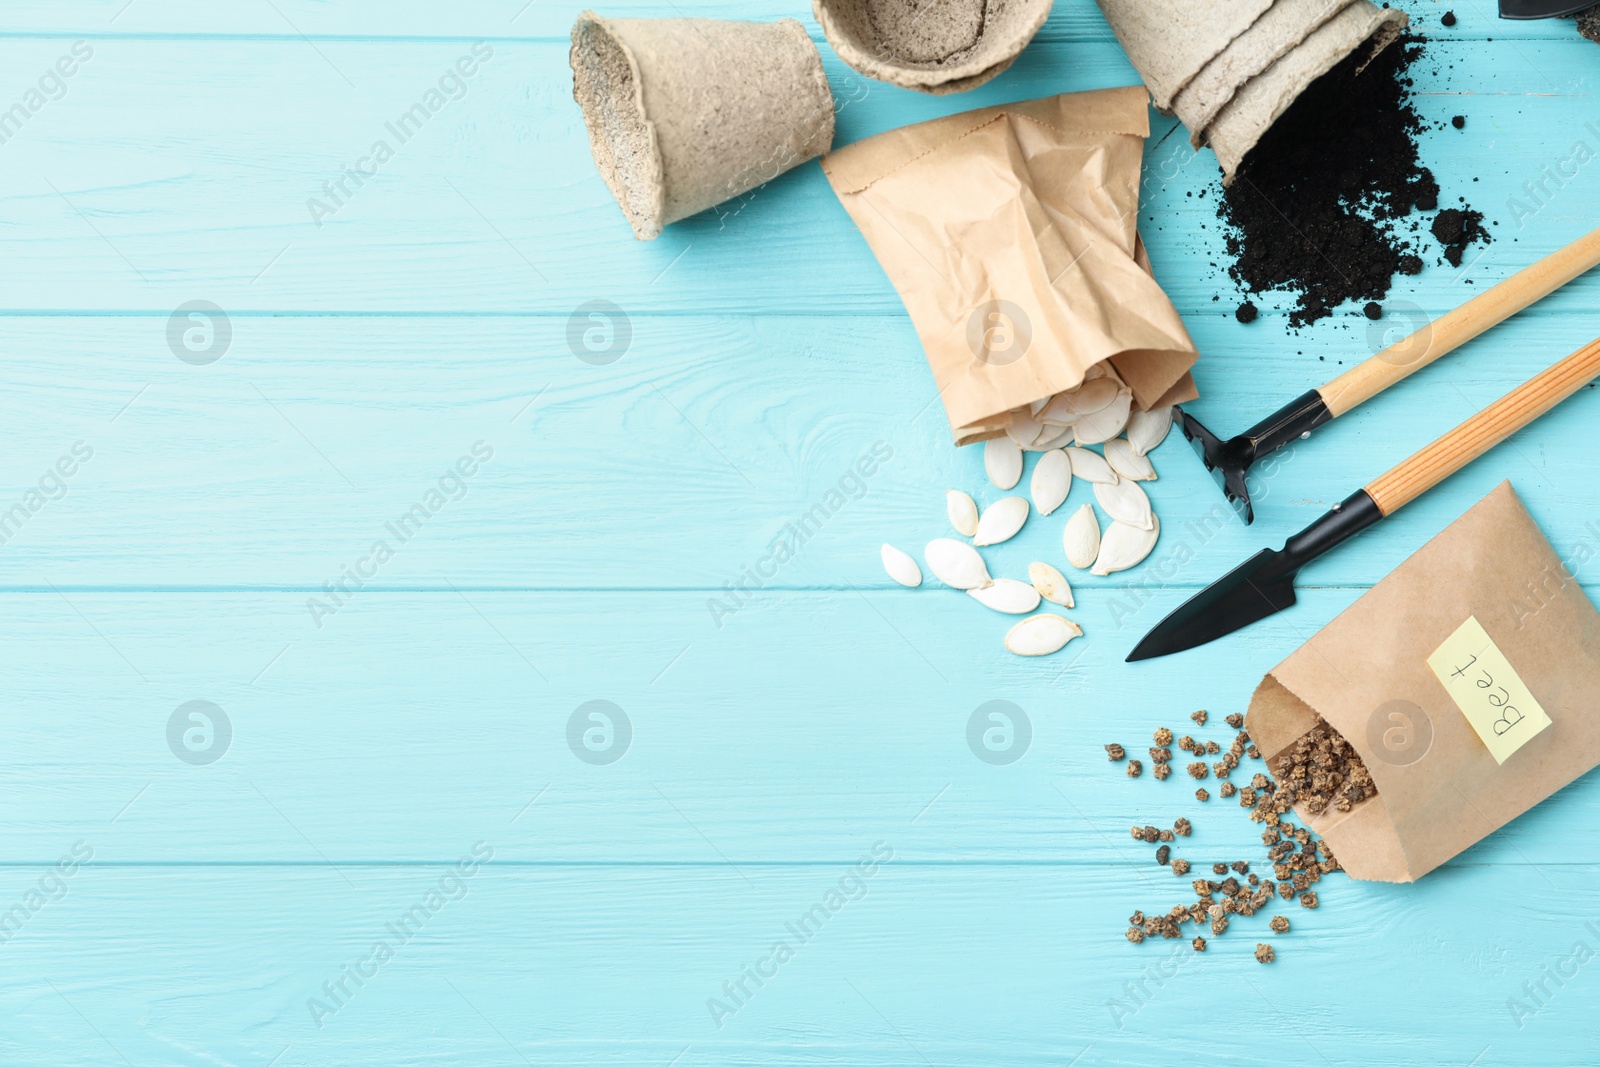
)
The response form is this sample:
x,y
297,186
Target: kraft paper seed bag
x,y
1506,713
1019,222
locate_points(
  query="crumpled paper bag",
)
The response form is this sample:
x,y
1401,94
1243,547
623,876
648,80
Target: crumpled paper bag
x,y
1011,235
1440,789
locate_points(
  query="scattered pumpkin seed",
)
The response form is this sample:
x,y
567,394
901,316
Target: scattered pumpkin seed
x,y
901,567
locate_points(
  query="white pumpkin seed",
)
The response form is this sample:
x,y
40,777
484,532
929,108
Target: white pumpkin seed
x,y
901,567
1052,438
1106,423
963,512
1126,502
1051,482
1040,635
1125,546
1090,466
1058,413
1092,396
1007,595
1001,520
1051,584
1105,369
1147,429
1002,459
1081,538
1023,428
1128,463
956,563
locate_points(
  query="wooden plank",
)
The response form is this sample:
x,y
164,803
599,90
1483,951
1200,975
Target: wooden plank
x,y
1070,20
1008,964
676,466
411,722
117,202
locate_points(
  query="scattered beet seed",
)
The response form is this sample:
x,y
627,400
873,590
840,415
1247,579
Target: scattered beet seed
x,y
1135,768
1116,753
1319,770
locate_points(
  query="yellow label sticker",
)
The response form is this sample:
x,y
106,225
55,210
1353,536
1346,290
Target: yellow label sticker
x,y
1487,689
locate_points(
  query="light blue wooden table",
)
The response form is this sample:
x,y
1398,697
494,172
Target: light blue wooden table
x,y
394,767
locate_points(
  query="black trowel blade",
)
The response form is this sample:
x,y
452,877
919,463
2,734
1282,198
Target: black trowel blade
x,y
1261,586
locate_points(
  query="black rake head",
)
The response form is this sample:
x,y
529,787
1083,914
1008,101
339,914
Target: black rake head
x,y
1228,461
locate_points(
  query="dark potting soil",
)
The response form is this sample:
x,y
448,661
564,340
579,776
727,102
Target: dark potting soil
x,y
1589,23
1322,208
1449,18
1246,312
1456,228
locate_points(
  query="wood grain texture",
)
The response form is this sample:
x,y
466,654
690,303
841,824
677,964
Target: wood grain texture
x,y
297,19
960,966
409,719
446,301
496,206
674,467
1459,325
1488,428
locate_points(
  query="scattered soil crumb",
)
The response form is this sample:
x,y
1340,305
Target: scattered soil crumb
x,y
1589,24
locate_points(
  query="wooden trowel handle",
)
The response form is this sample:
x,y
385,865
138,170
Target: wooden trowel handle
x,y
1455,328
1484,430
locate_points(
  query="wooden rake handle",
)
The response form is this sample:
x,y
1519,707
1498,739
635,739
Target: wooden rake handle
x,y
1483,431
1455,328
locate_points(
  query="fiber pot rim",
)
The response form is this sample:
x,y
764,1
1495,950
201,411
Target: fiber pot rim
x,y
981,66
644,176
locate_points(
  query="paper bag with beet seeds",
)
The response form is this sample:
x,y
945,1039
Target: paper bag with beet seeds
x,y
1011,235
1466,681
